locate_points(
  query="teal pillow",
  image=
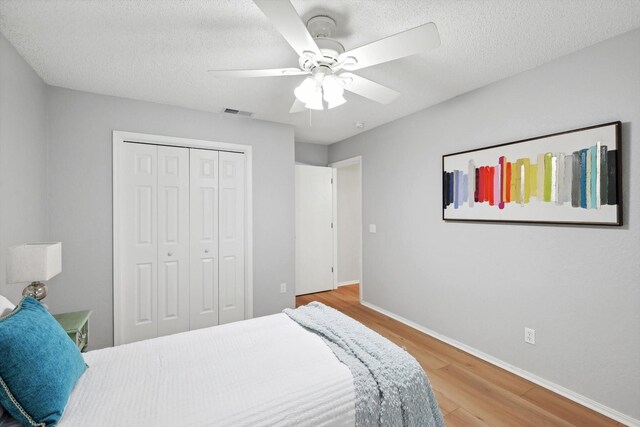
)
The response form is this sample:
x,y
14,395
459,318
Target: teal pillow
x,y
39,365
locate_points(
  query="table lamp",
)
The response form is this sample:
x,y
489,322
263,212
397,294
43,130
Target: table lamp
x,y
35,263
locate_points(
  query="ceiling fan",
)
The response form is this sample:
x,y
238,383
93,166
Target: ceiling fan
x,y
327,64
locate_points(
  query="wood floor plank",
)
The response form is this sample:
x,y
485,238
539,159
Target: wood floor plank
x,y
427,360
566,409
446,405
495,405
470,391
461,418
504,379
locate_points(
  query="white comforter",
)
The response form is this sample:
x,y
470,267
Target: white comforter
x,y
261,372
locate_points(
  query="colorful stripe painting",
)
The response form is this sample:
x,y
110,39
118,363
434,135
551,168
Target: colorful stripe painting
x,y
570,177
493,183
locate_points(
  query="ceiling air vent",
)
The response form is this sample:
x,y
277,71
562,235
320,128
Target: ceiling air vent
x,y
235,112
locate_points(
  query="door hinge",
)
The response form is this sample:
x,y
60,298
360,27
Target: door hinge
x,y
332,180
331,225
332,269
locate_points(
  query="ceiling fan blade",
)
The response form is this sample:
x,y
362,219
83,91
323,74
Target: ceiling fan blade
x,y
369,89
275,72
287,21
410,42
297,107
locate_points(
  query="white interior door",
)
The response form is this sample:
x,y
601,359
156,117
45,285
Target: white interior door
x,y
314,235
204,238
232,193
173,240
139,244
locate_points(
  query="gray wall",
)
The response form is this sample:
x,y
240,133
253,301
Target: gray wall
x,y
23,158
312,154
585,306
80,190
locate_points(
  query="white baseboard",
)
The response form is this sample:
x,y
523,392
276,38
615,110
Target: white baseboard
x,y
582,400
348,282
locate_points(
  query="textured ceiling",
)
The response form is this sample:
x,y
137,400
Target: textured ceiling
x,y
160,50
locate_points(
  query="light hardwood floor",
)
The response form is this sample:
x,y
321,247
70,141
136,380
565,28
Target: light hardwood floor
x,y
471,392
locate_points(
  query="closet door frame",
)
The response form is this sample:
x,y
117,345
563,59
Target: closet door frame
x,y
119,139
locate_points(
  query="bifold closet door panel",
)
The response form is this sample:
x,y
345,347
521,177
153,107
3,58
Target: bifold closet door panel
x,y
139,243
173,240
232,235
204,238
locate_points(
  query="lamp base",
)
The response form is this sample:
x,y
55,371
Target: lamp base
x,y
38,290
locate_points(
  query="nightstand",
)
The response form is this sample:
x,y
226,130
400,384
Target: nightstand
x,y
76,325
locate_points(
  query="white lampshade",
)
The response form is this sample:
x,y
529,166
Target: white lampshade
x,y
333,91
34,262
315,103
335,101
310,93
307,90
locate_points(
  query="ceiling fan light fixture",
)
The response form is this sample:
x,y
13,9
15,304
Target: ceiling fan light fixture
x,y
333,99
333,92
315,103
307,90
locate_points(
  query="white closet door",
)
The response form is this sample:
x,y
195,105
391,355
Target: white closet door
x,y
204,238
232,193
173,240
139,256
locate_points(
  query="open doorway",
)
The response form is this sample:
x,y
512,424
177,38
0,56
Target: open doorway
x,y
348,221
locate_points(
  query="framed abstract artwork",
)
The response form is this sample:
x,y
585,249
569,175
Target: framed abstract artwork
x,y
570,177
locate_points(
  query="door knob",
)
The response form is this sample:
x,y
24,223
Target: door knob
x,y
170,254
206,251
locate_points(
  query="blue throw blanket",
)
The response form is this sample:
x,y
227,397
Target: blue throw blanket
x,y
391,388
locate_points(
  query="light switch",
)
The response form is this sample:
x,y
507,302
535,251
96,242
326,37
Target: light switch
x,y
372,228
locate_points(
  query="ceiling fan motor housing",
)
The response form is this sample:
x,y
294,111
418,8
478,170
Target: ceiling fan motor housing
x,y
321,28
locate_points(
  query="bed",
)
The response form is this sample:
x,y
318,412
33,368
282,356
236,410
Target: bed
x,y
287,369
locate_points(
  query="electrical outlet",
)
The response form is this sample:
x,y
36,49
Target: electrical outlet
x,y
283,288
530,336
